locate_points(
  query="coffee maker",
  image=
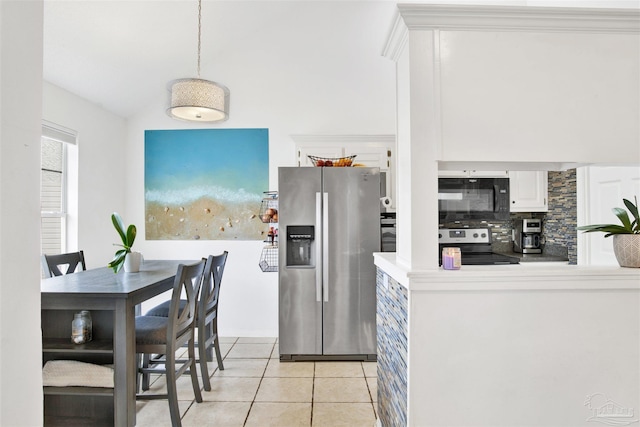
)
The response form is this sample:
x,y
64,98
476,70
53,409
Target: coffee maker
x,y
526,236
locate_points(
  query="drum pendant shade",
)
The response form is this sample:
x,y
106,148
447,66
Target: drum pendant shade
x,y
198,100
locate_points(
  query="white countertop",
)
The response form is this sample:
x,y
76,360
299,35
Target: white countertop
x,y
524,276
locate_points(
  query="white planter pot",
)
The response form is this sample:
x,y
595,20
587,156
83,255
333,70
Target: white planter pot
x,y
626,247
132,262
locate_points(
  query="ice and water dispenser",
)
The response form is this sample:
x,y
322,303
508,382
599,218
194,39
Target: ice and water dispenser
x,y
300,245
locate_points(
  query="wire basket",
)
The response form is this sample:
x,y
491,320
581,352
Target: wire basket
x,y
269,207
338,162
269,259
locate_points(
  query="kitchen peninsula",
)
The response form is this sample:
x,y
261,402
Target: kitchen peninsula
x,y
505,345
525,344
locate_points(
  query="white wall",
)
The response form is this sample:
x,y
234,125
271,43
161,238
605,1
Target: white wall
x,y
518,103
345,92
20,127
101,169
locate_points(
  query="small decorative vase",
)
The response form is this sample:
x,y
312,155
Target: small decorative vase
x,y
132,262
626,247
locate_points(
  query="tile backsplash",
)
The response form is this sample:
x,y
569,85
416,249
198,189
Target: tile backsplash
x,y
558,224
561,221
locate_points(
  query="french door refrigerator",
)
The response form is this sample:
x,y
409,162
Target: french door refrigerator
x,y
329,227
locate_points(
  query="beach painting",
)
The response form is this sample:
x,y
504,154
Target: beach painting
x,y
205,184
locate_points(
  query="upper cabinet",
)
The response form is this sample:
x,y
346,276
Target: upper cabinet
x,y
510,84
528,191
370,150
472,174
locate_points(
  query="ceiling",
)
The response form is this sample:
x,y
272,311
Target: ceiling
x,y
122,54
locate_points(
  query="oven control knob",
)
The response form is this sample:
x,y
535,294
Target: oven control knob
x,y
484,235
439,235
475,235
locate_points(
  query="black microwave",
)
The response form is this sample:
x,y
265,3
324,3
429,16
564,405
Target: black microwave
x,y
473,198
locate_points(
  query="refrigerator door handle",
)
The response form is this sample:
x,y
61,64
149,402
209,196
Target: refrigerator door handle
x,y
325,246
318,249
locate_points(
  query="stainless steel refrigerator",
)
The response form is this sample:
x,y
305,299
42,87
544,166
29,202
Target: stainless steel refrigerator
x,y
329,227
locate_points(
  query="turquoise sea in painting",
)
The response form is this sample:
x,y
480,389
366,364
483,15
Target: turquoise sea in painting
x,y
205,183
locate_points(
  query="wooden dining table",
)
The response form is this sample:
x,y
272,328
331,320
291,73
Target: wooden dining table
x,y
112,299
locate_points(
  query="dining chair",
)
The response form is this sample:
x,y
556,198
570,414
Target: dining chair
x,y
51,264
206,318
165,335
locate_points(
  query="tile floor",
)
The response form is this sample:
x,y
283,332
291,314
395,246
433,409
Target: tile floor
x,y
256,389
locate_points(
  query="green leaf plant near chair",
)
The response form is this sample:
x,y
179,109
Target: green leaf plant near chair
x,y
125,256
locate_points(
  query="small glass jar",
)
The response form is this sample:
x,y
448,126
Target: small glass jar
x,y
81,327
86,314
451,258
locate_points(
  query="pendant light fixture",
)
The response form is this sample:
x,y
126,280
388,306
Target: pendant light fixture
x,y
196,99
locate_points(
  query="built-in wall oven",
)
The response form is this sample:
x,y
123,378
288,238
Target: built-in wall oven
x,y
388,231
473,198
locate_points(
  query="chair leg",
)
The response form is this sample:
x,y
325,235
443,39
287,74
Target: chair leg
x,y
138,374
145,375
202,357
172,393
194,373
216,344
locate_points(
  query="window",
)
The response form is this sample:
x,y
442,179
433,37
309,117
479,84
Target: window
x,y
54,188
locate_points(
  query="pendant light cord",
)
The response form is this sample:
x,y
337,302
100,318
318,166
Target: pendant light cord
x,y
199,32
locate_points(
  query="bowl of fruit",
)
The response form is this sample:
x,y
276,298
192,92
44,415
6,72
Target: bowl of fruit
x,y
336,162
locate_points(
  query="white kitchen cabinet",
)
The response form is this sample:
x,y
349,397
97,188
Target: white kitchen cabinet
x,y
367,155
370,150
472,174
528,191
303,153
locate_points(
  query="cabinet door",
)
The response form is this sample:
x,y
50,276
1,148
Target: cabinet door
x,y
370,156
453,174
528,191
381,157
319,151
472,173
370,150
489,174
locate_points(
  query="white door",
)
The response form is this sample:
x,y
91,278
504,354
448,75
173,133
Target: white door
x,y
604,188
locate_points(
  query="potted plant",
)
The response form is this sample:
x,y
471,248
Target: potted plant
x,y
125,257
626,237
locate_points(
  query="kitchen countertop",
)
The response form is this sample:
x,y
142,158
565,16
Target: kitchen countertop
x,y
536,257
551,276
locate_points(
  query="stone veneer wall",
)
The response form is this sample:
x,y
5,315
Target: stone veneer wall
x,y
559,225
392,325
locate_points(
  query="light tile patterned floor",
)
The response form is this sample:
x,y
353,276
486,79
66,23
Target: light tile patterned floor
x,y
256,390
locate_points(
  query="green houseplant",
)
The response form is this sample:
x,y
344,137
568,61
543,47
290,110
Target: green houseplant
x,y
626,237
127,237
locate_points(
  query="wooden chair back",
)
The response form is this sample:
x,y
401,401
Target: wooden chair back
x,y
53,265
209,295
181,319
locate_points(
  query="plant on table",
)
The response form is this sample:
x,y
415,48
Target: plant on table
x,y
128,237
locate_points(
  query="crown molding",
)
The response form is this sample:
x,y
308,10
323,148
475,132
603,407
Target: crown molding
x,y
519,18
397,38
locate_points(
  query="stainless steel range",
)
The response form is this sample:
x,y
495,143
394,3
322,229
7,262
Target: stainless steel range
x,y
474,244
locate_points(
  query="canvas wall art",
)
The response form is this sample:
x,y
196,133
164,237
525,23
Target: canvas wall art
x,y
205,183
